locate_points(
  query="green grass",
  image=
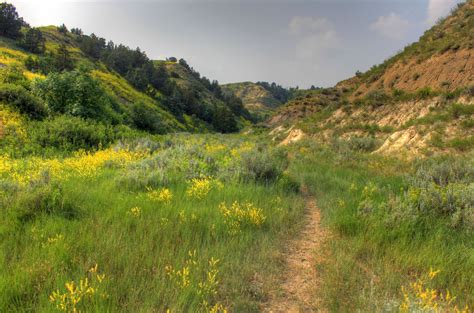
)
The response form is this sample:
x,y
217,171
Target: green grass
x,y
93,220
157,255
374,252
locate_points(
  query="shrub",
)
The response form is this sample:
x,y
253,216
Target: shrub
x,y
67,134
21,100
148,118
13,75
33,41
288,184
262,166
443,172
365,144
75,93
425,93
377,98
45,199
457,110
439,189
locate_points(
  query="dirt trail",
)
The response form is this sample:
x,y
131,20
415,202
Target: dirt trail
x,y
300,281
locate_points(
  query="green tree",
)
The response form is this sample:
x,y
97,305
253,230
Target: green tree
x,y
63,29
224,120
10,22
76,93
33,41
63,60
146,117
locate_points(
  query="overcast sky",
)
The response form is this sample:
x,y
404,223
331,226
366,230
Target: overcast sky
x,y
291,42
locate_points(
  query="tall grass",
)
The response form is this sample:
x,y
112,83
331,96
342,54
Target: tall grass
x,y
183,252
378,248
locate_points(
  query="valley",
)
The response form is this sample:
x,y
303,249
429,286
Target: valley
x,y
136,185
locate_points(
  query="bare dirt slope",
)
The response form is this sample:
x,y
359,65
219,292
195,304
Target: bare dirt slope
x,y
299,284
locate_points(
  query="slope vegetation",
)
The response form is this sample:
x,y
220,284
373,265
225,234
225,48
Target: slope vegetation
x,y
417,102
254,96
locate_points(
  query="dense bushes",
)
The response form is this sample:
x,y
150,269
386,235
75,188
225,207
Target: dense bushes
x,y
440,189
76,93
33,41
23,101
70,133
10,22
147,117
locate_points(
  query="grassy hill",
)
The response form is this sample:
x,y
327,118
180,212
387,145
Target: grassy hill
x,y
51,74
254,96
418,102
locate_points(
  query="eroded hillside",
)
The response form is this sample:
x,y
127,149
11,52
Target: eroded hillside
x,y
254,96
417,102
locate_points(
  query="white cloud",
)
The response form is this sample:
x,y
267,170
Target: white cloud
x,y
438,9
314,36
392,26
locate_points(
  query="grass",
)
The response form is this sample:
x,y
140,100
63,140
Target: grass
x,y
184,254
375,252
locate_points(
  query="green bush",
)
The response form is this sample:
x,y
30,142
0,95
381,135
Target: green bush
x,y
262,166
33,41
21,100
457,110
443,172
439,189
13,75
67,134
147,118
44,199
425,93
365,144
76,93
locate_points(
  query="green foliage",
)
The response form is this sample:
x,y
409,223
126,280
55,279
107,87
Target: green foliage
x,y
462,144
439,190
63,60
60,228
425,93
10,22
44,199
68,133
23,101
13,75
75,93
262,166
146,117
224,121
33,41
365,144
373,206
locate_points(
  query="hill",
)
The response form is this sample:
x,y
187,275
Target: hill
x,y
254,96
51,73
418,102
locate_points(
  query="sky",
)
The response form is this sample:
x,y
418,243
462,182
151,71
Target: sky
x,y
291,42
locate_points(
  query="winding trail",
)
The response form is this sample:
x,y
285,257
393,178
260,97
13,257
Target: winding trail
x,y
300,282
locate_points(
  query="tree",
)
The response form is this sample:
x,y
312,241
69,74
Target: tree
x,y
77,31
224,120
63,29
63,60
146,117
33,41
10,22
75,93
